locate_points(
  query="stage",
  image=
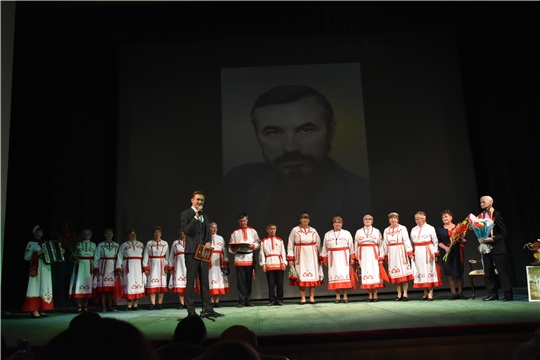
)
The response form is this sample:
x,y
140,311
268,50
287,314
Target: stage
x,y
387,328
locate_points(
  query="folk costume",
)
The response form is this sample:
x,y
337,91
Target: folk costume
x,y
426,253
337,252
367,242
218,281
397,248
272,255
129,264
39,292
104,265
177,263
243,260
155,259
304,249
82,277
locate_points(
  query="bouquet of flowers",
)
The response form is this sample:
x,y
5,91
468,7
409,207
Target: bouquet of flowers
x,y
293,276
459,231
482,228
535,248
68,239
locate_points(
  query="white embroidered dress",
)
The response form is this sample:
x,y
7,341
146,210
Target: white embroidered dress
x,y
219,283
129,263
177,261
336,252
426,251
304,249
367,242
155,260
396,248
104,265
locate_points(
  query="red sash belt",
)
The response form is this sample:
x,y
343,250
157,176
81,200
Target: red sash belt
x,y
220,258
131,258
159,257
297,250
374,246
426,243
404,258
278,255
91,258
344,249
102,264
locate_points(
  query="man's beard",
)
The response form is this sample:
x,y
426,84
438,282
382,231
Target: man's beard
x,y
295,165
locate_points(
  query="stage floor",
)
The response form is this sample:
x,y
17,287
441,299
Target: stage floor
x,y
300,322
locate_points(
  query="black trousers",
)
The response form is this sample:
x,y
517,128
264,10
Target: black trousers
x,y
244,278
196,268
275,285
500,262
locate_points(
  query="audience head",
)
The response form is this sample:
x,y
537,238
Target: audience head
x,y
190,330
231,350
112,339
240,333
85,322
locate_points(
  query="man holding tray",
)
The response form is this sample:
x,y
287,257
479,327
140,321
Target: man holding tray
x,y
243,241
195,224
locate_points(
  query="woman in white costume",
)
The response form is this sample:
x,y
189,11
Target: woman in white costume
x,y
104,266
156,266
81,284
129,266
337,253
303,253
426,253
397,251
178,279
219,282
367,242
39,292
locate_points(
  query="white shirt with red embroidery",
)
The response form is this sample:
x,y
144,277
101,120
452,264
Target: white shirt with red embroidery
x,y
243,256
272,253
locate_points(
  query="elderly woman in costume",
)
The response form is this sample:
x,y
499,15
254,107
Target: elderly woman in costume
x,y
156,265
129,266
39,292
177,263
426,253
82,277
367,242
104,266
397,251
303,253
337,253
219,263
454,264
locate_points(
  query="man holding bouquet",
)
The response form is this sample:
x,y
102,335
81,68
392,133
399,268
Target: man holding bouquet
x,y
497,257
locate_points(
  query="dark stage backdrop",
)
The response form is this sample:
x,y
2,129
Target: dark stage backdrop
x,y
75,87
170,130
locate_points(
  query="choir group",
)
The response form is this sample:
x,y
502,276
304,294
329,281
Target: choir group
x,y
156,268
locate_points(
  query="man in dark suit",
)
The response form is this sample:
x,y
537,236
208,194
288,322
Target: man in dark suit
x,y
196,226
497,258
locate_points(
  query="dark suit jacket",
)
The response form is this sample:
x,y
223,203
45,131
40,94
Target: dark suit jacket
x,y
196,232
499,234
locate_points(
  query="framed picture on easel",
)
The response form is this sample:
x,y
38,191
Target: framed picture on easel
x,y
533,282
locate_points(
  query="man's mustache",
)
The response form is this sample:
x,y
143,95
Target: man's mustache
x,y
293,157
